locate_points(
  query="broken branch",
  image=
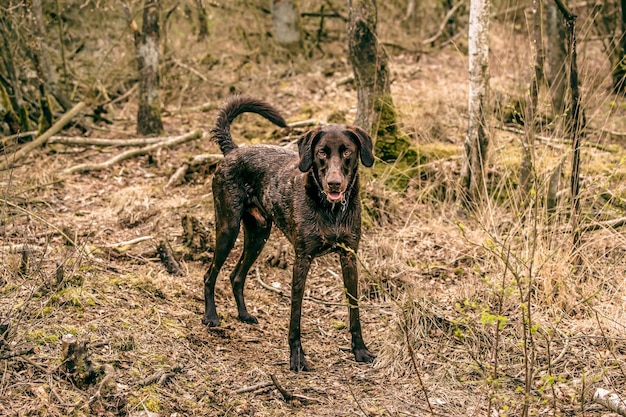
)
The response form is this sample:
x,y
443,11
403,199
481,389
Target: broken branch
x,y
26,149
610,400
132,153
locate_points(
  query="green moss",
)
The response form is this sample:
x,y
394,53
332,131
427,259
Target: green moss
x,y
41,337
391,143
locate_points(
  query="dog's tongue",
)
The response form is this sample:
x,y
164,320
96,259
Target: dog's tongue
x,y
334,197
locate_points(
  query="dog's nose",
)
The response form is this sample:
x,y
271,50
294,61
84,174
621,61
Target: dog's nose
x,y
334,181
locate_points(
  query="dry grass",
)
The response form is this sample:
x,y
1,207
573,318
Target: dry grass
x,y
473,293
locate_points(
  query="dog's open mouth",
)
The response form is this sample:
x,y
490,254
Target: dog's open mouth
x,y
334,197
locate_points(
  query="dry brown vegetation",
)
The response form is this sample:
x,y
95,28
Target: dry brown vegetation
x,y
470,313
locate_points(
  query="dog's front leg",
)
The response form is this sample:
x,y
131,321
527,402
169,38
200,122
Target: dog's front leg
x,y
351,284
301,268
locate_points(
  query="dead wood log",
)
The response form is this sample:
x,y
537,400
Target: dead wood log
x,y
18,352
196,134
610,400
26,149
20,248
167,258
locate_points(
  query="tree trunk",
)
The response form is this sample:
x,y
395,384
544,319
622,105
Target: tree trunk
x,y
477,141
147,50
575,124
203,21
16,115
619,66
556,59
286,21
376,113
48,78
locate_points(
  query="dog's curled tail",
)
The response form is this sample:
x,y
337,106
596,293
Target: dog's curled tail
x,y
233,108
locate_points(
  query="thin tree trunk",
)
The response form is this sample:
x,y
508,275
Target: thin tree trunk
x,y
18,110
147,50
576,124
556,59
528,145
203,21
619,67
477,142
375,110
41,58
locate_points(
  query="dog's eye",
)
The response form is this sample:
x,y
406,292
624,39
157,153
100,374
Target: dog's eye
x,y
347,153
321,153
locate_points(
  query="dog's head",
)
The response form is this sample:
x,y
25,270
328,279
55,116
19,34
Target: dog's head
x,y
333,152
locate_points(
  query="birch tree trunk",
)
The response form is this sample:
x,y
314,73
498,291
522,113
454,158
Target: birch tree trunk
x,y
477,141
286,21
147,50
376,113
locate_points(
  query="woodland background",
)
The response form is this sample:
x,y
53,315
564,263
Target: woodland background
x,y
493,309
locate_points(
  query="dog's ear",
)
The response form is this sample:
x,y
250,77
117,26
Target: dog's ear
x,y
306,144
365,145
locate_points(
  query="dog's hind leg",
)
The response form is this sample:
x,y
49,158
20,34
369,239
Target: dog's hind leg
x,y
227,223
256,231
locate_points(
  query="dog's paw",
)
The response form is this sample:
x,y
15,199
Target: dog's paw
x,y
297,362
211,322
248,318
363,355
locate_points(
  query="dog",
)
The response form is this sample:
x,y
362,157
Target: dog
x,y
311,195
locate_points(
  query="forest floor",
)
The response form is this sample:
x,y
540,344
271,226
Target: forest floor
x,y
431,272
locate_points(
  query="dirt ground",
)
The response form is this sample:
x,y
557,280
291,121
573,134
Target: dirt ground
x,y
429,272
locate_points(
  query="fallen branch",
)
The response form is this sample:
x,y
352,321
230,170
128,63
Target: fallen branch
x,y
610,400
128,242
133,153
26,149
289,396
19,352
546,139
609,224
252,388
64,140
178,176
443,24
20,248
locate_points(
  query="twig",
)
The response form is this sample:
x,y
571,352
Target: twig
x,y
253,388
178,176
443,24
190,69
160,377
26,149
128,242
289,396
132,153
286,295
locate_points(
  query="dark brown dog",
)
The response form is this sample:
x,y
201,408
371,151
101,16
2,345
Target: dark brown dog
x,y
312,197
